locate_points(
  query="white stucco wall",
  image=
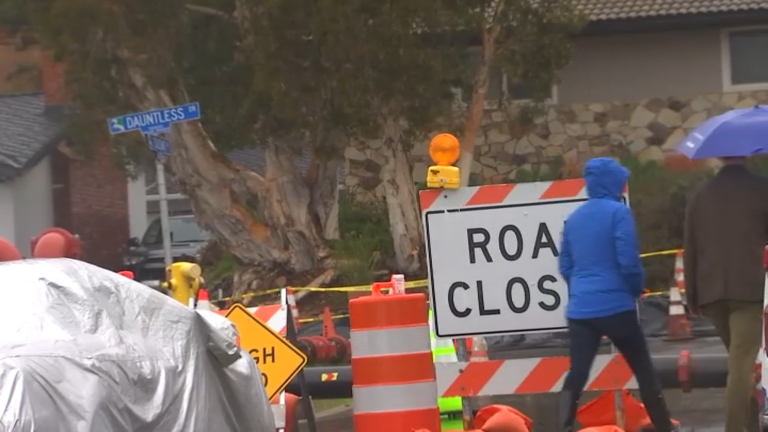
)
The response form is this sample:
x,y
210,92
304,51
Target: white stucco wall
x,y
7,214
26,206
32,204
137,206
143,207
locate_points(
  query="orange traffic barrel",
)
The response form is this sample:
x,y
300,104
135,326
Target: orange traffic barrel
x,y
393,377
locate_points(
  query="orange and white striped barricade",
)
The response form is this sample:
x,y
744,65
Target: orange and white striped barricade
x,y
528,376
276,317
493,252
393,377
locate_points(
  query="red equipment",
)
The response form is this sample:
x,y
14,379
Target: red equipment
x,y
56,243
327,348
8,251
126,273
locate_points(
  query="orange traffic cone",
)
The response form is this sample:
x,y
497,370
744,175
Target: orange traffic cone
x,y
203,302
126,273
479,351
502,418
680,273
505,421
291,404
678,327
291,298
601,412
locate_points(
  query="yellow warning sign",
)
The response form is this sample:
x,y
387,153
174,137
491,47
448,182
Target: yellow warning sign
x,y
278,360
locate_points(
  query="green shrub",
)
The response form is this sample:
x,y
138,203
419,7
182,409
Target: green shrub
x,y
657,193
365,244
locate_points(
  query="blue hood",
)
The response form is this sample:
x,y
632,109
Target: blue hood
x,y
605,178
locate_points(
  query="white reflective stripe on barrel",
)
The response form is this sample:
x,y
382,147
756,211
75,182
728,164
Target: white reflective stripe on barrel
x,y
399,397
390,341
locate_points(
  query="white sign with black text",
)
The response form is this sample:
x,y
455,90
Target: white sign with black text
x,y
494,270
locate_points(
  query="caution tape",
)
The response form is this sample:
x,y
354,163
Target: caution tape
x,y
408,285
352,288
308,320
661,253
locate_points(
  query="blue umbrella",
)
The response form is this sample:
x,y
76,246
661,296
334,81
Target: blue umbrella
x,y
740,132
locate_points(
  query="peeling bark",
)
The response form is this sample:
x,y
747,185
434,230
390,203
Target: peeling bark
x,y
473,122
323,180
265,222
476,109
401,199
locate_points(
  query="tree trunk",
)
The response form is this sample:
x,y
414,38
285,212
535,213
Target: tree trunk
x,y
476,109
473,123
265,222
323,180
402,202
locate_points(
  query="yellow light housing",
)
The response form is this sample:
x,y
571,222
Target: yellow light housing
x,y
444,150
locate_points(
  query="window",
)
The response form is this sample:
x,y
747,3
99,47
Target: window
x,y
184,229
745,59
499,86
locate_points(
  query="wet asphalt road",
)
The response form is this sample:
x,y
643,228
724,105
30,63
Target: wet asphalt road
x,y
701,410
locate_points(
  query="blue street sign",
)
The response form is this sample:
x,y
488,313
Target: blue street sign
x,y
159,145
155,121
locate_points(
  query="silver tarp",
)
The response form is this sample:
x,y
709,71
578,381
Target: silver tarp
x,y
83,349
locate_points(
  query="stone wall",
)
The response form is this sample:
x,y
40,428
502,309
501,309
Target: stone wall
x,y
649,129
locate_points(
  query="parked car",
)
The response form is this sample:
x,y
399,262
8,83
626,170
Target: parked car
x,y
145,256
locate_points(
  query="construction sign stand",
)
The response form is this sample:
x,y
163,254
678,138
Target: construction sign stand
x,y
306,400
279,361
493,270
467,418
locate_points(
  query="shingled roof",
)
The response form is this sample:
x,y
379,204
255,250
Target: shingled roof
x,y
605,10
26,133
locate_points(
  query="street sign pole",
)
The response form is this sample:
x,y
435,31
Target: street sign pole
x,y
162,149
306,399
164,222
151,124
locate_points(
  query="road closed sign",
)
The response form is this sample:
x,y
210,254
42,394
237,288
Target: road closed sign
x,y
279,361
493,256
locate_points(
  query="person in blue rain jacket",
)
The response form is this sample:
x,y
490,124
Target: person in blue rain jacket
x,y
600,262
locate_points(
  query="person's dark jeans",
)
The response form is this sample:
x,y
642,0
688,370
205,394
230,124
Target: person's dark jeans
x,y
623,329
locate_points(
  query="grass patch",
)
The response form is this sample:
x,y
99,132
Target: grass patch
x,y
322,405
227,265
365,244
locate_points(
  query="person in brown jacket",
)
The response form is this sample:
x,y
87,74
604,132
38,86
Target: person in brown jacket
x,y
726,228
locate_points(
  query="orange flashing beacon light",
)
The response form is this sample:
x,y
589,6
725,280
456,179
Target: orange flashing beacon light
x,y
444,149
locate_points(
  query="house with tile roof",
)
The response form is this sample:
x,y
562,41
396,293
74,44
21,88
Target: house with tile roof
x,y
649,71
642,75
637,49
43,183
